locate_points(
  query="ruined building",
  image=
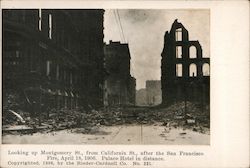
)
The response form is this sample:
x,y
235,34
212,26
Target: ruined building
x,y
153,92
185,72
119,85
53,57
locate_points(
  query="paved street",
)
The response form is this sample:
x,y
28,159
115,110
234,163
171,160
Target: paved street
x,y
124,134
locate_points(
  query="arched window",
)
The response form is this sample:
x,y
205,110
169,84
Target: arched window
x,y
178,34
192,70
206,69
192,52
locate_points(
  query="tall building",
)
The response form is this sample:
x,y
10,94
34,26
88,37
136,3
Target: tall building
x,y
119,85
185,72
153,92
141,97
53,57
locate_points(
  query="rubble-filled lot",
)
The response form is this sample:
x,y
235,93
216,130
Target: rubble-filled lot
x,y
20,122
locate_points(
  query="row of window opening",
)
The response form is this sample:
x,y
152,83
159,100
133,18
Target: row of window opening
x,y
192,52
193,70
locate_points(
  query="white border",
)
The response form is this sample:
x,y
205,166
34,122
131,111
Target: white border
x,y
229,81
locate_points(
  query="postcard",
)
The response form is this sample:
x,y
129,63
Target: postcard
x,y
125,84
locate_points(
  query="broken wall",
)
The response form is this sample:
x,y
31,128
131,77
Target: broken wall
x,y
184,77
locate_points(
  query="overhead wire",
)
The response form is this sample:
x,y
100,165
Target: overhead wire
x,y
121,33
119,19
116,20
124,39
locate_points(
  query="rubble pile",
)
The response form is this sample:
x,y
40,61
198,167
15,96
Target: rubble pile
x,y
178,109
12,102
194,117
174,115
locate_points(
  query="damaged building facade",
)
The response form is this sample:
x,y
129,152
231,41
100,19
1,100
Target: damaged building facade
x,y
185,72
53,57
120,86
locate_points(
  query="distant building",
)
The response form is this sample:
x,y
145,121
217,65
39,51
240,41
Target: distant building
x,y
153,92
119,85
54,56
185,72
141,97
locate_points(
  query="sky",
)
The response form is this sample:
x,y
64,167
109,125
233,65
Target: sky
x,y
144,31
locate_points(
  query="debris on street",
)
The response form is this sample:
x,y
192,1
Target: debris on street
x,y
172,116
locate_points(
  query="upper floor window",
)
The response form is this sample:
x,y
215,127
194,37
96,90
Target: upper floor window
x,y
50,26
206,69
40,19
192,52
178,51
178,34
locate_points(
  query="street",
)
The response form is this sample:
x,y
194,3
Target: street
x,y
120,134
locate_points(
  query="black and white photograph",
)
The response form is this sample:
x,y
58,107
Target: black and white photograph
x,y
106,76
124,83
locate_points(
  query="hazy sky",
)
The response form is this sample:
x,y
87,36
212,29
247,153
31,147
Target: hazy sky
x,y
144,32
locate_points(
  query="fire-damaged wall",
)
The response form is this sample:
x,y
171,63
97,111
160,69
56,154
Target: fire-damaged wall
x,y
185,72
119,85
53,57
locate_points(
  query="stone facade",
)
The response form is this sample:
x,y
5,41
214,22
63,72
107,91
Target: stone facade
x,y
54,57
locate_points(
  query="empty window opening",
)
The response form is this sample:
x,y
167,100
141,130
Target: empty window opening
x,y
179,70
17,54
178,51
206,69
50,26
40,20
48,65
205,56
192,70
57,72
178,34
192,52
